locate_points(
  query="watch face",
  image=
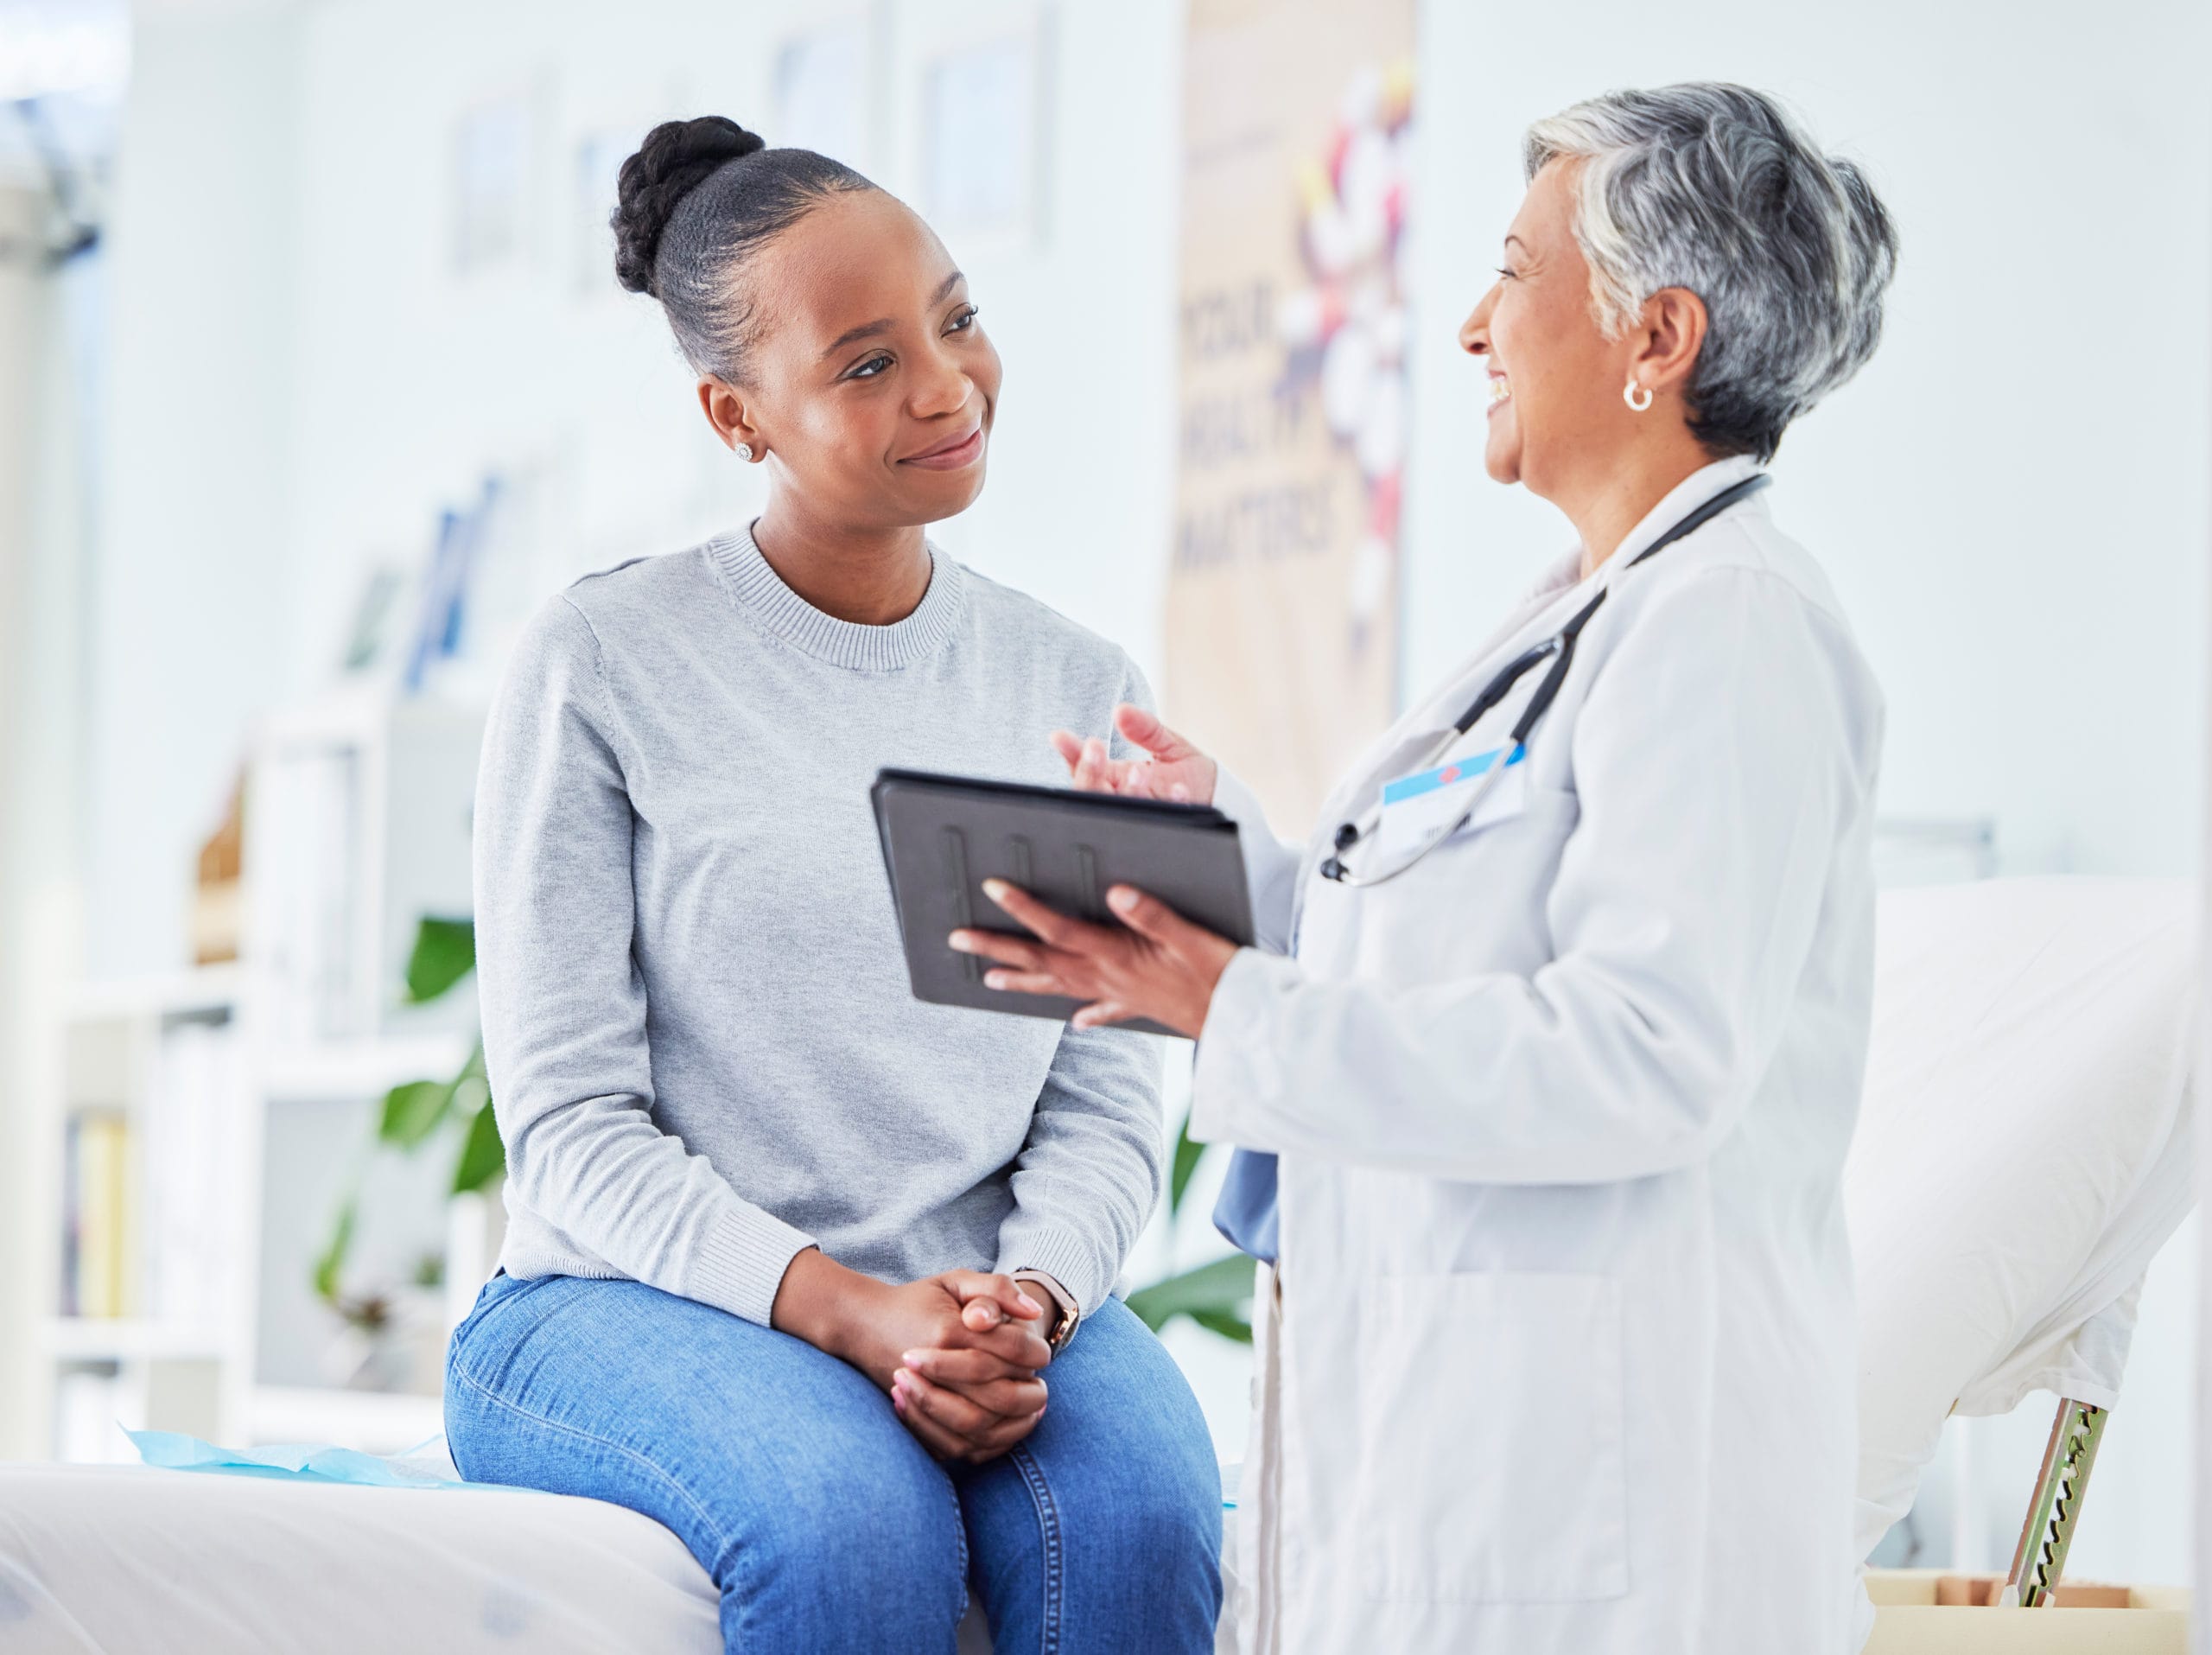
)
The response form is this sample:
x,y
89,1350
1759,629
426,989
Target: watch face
x,y
1068,1313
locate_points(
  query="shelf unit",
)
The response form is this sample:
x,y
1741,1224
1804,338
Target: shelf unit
x,y
192,1088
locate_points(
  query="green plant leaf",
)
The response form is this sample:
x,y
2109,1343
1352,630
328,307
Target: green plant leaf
x,y
413,1112
1222,1289
1187,1155
483,1157
1228,1327
332,1264
470,1093
445,952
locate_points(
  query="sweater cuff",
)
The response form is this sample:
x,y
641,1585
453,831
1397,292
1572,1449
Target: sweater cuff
x,y
741,1262
1070,1259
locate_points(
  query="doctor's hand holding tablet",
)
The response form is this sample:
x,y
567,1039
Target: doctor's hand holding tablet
x,y
1551,1045
1155,964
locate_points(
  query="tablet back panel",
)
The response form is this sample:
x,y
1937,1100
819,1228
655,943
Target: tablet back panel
x,y
944,836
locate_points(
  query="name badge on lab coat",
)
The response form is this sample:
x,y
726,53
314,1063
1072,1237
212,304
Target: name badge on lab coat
x,y
1418,807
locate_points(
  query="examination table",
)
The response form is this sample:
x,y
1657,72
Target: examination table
x,y
2024,1150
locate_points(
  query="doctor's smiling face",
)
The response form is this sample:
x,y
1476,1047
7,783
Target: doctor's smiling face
x,y
1559,421
1553,380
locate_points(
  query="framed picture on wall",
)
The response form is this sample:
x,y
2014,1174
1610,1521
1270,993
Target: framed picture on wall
x,y
983,104
491,183
598,159
824,81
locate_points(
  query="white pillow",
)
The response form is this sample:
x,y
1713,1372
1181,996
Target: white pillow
x,y
2021,1152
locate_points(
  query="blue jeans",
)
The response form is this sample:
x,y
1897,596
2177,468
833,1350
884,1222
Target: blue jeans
x,y
822,1521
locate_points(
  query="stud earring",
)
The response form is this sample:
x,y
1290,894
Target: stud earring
x,y
1629,393
743,451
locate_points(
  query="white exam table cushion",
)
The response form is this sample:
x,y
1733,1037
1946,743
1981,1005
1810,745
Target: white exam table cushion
x,y
132,1559
2021,1152
127,1560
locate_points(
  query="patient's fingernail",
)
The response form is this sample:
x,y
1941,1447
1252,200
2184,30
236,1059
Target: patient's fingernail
x,y
1123,898
913,1359
994,979
994,888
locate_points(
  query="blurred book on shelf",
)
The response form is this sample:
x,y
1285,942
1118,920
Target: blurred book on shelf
x,y
441,623
358,822
305,889
189,1155
145,1199
98,1233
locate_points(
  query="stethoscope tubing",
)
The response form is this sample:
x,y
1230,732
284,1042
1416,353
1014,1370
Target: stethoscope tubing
x,y
1560,648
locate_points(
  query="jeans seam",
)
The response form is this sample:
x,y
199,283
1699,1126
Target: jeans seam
x,y
722,1541
960,1546
1048,1521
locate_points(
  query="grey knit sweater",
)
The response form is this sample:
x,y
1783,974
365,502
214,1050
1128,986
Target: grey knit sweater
x,y
701,1038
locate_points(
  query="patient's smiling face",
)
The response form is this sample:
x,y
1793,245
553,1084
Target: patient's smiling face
x,y
870,385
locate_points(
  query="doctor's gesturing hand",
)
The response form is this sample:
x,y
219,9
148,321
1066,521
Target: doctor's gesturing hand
x,y
1173,769
1162,966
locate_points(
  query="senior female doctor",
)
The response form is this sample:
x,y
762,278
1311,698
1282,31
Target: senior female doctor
x,y
1564,1055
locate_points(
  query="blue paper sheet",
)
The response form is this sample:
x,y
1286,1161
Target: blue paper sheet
x,y
322,1462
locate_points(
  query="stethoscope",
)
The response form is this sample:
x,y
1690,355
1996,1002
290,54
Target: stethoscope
x,y
1559,649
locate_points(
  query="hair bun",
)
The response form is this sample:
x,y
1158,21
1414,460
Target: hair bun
x,y
675,158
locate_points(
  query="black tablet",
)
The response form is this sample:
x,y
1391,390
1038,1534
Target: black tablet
x,y
944,836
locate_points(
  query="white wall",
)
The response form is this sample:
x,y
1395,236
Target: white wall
x,y
190,604
23,308
48,342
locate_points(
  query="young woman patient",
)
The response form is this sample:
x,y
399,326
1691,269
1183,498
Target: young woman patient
x,y
814,1274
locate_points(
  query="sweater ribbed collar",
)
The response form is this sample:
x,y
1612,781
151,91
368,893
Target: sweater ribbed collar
x,y
761,593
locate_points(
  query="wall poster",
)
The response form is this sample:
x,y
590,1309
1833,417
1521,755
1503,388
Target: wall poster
x,y
1282,625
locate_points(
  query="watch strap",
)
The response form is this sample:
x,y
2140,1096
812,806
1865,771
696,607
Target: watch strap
x,y
1062,1300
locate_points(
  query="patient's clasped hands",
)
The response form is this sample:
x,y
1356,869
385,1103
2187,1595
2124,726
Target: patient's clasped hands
x,y
959,1352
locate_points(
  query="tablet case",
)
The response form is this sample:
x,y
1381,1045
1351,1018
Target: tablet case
x,y
944,836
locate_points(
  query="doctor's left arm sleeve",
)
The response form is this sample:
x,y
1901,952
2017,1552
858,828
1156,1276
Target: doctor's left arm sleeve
x,y
1723,763
1086,1180
1271,866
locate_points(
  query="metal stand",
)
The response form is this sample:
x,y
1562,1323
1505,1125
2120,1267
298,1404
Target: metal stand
x,y
2055,1506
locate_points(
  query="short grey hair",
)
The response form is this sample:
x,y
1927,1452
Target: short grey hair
x,y
1715,188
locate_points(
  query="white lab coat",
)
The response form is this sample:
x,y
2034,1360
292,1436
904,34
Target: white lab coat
x,y
1558,1356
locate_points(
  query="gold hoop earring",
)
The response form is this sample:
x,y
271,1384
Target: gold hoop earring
x,y
1628,392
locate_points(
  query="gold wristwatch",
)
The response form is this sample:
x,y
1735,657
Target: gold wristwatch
x,y
1070,1312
